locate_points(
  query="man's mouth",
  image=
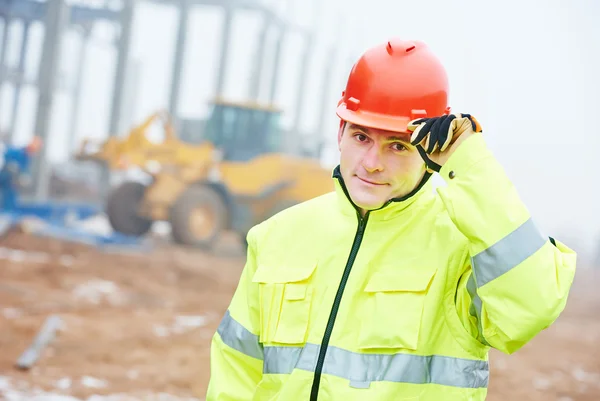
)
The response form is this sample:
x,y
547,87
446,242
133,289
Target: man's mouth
x,y
370,182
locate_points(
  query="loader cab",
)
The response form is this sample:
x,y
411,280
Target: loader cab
x,y
243,131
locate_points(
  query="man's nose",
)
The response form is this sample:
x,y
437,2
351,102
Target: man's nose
x,y
371,161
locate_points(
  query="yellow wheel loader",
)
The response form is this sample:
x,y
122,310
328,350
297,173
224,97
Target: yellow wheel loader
x,y
137,150
235,174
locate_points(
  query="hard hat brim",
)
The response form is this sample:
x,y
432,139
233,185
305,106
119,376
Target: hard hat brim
x,y
373,120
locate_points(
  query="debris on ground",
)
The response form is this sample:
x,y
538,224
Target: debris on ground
x,y
138,326
41,341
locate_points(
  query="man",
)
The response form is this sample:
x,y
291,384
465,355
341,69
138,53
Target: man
x,y
15,171
385,290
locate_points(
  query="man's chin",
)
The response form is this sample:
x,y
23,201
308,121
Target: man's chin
x,y
369,204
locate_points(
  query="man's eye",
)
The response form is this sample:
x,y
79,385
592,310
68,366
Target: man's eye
x,y
361,137
399,147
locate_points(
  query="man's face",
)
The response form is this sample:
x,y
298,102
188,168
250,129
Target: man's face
x,y
378,165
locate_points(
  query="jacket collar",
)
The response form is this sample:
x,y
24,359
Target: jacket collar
x,y
392,208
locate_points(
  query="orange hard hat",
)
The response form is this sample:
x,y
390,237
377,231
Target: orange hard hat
x,y
394,83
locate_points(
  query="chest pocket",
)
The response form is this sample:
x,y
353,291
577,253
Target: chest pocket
x,y
393,303
285,302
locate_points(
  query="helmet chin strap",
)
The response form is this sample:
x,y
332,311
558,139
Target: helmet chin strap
x,y
431,165
423,181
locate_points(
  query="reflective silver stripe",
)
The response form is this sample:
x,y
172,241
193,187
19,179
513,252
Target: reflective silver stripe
x,y
283,360
475,307
239,338
359,369
507,253
363,369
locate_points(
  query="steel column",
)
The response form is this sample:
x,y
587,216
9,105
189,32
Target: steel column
x,y
19,83
56,19
259,61
184,11
76,101
225,48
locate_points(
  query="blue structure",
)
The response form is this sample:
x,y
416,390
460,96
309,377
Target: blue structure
x,y
14,170
15,165
14,162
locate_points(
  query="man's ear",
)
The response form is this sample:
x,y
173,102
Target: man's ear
x,y
340,133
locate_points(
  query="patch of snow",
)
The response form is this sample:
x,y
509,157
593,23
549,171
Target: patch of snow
x,y
133,374
146,397
63,383
5,224
542,383
161,228
66,260
161,331
97,290
17,255
581,375
11,313
93,382
181,325
21,391
97,224
190,321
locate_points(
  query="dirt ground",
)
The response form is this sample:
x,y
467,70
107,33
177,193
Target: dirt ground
x,y
138,326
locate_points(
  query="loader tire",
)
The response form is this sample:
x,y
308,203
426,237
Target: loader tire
x,y
198,217
122,209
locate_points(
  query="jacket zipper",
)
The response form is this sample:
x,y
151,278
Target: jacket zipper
x,y
362,224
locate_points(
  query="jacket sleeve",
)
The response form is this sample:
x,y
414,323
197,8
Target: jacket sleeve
x,y
515,280
236,355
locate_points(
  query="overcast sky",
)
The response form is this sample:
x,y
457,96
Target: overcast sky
x,y
529,70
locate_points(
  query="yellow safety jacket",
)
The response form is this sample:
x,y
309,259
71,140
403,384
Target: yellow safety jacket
x,y
403,304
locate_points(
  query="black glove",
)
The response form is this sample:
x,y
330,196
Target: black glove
x,y
436,134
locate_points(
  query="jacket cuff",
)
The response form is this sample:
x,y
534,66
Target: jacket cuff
x,y
470,152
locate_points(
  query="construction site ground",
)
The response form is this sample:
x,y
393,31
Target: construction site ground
x,y
138,326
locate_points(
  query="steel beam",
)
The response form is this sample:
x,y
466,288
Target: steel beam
x,y
82,15
249,5
14,76
239,4
31,10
